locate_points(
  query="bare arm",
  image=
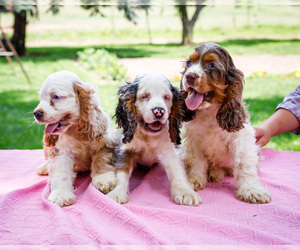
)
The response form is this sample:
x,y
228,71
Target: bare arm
x,y
280,122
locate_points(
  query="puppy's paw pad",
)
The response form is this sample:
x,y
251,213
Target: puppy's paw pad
x,y
62,197
254,195
42,169
105,182
119,197
186,197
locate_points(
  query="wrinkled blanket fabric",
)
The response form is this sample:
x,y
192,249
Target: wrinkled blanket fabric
x,y
150,217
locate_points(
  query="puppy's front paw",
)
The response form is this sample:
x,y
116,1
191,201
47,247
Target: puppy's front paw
x,y
62,197
105,182
42,169
253,194
198,182
186,197
120,197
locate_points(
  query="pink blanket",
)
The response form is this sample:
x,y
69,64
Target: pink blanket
x,y
26,217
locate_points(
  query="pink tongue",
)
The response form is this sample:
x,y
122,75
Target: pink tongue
x,y
154,125
50,128
194,100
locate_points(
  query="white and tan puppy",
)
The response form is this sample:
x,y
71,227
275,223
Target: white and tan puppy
x,y
78,136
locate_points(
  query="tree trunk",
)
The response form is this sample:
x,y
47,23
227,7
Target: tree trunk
x,y
188,25
187,34
18,39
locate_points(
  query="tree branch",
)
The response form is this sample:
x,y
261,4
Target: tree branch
x,y
200,6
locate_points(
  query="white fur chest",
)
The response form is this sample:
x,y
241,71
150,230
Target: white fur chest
x,y
203,136
147,148
81,152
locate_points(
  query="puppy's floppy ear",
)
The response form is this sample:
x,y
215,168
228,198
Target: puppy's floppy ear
x,y
84,130
126,111
232,114
175,118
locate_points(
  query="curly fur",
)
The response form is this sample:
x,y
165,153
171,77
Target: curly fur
x,y
125,111
219,140
149,112
176,116
78,136
232,114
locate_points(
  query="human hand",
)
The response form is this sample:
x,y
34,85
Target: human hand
x,y
262,135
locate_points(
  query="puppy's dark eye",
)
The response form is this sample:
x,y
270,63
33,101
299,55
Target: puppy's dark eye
x,y
211,66
55,97
167,97
145,96
189,64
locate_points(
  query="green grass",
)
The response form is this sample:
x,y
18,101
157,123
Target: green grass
x,y
242,30
171,50
262,97
18,99
126,34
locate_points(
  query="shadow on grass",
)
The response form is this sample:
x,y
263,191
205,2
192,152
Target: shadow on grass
x,y
122,51
171,50
255,42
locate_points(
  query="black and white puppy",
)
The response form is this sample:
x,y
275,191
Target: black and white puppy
x,y
150,113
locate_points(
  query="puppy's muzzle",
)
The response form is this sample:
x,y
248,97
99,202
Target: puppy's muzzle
x,y
38,114
158,112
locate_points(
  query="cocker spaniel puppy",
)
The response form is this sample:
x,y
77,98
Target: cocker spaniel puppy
x,y
219,140
78,136
149,112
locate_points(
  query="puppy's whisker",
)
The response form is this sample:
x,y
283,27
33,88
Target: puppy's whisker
x,y
32,123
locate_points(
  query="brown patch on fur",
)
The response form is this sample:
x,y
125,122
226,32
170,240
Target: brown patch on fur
x,y
129,159
49,143
51,103
195,56
84,131
130,105
50,140
209,57
179,113
175,120
219,92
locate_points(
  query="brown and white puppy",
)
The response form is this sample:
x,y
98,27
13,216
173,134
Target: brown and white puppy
x,y
220,139
149,112
78,136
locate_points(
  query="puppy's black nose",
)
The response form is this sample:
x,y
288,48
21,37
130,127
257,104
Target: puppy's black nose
x,y
191,78
158,112
38,114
